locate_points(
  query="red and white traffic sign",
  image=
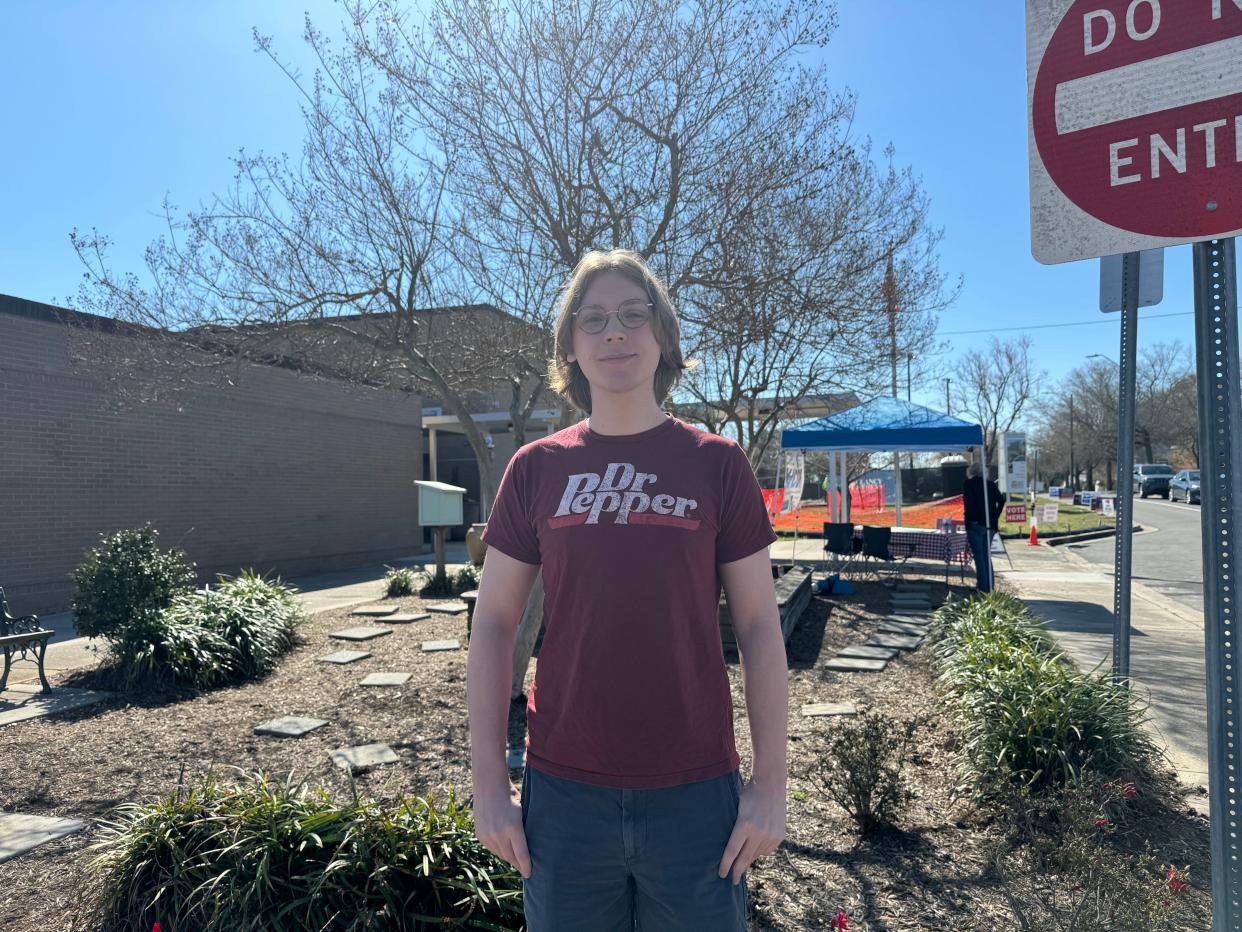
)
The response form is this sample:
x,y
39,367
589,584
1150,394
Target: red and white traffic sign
x,y
1135,124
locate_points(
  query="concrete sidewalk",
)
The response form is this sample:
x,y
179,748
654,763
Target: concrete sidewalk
x,y
1167,663
319,593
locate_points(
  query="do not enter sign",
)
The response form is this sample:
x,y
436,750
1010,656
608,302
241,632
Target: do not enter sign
x,y
1135,124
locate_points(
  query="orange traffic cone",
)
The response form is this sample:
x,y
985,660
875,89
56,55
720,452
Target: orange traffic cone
x,y
1034,541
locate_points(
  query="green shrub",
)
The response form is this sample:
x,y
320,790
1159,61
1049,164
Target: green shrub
x,y
125,582
1027,715
1059,870
210,637
860,767
467,578
254,855
400,581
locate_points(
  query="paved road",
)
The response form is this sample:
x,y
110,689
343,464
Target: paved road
x,y
1169,558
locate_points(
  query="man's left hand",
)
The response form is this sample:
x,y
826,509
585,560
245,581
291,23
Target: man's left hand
x,y
759,830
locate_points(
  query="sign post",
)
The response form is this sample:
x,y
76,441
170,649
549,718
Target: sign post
x,y
1135,135
1220,443
1124,535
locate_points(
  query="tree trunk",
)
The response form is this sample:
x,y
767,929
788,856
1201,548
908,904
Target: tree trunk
x,y
527,635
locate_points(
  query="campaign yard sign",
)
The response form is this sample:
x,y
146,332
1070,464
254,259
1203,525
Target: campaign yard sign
x,y
1134,124
1045,514
1109,507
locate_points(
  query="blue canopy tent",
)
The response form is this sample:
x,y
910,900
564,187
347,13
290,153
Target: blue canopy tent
x,y
881,425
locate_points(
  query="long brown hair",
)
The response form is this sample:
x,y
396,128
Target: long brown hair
x,y
566,378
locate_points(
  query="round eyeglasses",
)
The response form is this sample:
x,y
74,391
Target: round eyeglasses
x,y
632,314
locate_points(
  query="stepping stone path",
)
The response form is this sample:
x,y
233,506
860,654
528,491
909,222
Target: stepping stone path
x,y
429,646
21,833
869,651
856,664
448,608
360,634
385,679
345,656
405,619
913,587
23,701
903,627
900,641
374,611
362,756
828,708
290,726
907,610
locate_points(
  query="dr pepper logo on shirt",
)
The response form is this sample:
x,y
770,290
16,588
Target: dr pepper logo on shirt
x,y
624,493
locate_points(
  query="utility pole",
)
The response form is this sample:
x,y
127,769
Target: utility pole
x,y
1073,471
947,407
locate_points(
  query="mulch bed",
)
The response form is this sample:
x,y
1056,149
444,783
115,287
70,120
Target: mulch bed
x,y
933,873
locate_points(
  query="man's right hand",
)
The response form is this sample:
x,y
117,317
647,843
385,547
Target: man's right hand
x,y
498,825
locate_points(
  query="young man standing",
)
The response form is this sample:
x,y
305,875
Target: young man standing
x,y
632,812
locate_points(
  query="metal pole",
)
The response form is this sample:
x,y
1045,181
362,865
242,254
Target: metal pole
x,y
1220,444
832,486
947,407
1073,478
1125,466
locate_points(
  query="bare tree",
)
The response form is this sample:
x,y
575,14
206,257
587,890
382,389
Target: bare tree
x,y
692,133
330,261
996,385
1162,376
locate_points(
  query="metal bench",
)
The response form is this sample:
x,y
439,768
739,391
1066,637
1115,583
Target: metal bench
x,y
22,636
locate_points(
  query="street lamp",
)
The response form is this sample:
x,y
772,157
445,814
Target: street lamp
x,y
1102,356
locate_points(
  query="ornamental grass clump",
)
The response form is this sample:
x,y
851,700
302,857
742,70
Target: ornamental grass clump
x,y
258,855
403,580
1028,716
467,578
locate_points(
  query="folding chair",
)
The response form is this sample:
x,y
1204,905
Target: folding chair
x,y
839,540
875,546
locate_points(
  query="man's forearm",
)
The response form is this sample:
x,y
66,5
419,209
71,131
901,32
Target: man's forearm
x,y
489,669
765,679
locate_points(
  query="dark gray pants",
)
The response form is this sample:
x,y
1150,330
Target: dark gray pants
x,y
609,860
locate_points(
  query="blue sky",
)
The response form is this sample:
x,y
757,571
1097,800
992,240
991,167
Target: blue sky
x,y
106,114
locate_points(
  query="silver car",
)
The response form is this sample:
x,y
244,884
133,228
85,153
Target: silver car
x,y
1185,486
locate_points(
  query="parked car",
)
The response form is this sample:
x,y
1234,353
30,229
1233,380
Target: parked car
x,y
1152,479
1185,485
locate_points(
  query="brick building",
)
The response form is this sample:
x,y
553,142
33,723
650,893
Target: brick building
x,y
286,472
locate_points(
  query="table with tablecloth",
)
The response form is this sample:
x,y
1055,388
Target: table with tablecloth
x,y
948,547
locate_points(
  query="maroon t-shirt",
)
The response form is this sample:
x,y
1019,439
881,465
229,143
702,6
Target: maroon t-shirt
x,y
630,686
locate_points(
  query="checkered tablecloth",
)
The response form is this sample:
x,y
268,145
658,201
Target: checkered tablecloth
x,y
927,544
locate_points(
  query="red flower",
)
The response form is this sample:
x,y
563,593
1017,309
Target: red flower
x,y
840,921
156,927
1176,884
1101,823
1128,791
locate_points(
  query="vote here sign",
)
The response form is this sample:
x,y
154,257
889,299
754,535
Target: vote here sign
x,y
1134,123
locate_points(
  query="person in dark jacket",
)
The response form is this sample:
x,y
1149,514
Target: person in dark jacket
x,y
981,522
